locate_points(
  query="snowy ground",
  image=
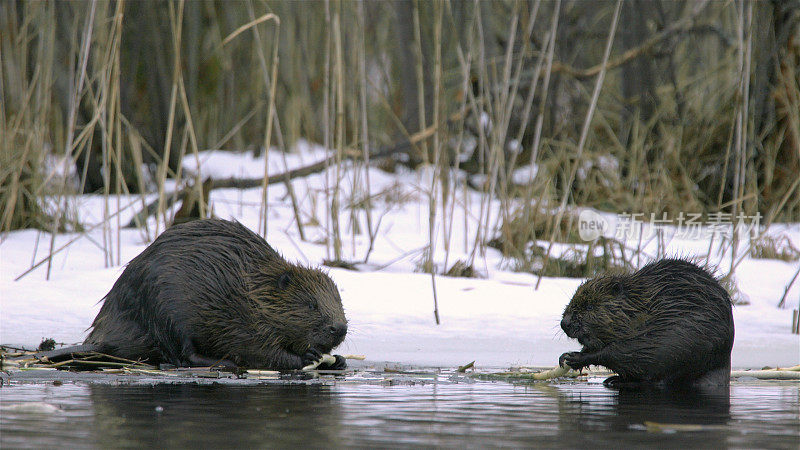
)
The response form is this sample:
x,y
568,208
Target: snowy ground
x,y
498,321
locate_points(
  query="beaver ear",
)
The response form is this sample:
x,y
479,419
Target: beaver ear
x,y
284,280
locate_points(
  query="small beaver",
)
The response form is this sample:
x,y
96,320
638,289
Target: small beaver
x,y
213,292
670,323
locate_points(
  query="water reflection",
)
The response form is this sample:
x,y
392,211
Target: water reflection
x,y
603,418
214,415
436,413
633,408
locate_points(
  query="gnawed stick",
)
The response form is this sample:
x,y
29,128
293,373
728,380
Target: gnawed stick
x,y
556,372
325,359
785,374
548,374
263,373
329,359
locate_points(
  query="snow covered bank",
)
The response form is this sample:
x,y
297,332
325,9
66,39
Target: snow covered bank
x,y
497,321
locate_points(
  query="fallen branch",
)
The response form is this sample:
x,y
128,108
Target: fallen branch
x,y
285,177
319,166
248,183
680,26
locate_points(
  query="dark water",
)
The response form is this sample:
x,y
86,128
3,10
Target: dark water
x,y
442,413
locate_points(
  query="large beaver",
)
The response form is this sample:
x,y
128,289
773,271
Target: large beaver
x,y
670,323
213,292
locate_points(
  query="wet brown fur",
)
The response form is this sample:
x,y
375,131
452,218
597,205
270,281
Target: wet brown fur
x,y
213,291
669,323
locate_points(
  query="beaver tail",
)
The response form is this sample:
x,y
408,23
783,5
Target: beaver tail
x,y
65,353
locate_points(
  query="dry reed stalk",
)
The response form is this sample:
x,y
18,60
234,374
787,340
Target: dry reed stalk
x,y
641,143
482,143
742,119
192,138
274,122
503,106
71,123
114,122
779,207
135,142
437,83
106,107
340,132
584,134
161,177
118,15
27,110
362,69
288,183
326,122
550,44
449,217
270,85
419,69
498,135
422,122
515,86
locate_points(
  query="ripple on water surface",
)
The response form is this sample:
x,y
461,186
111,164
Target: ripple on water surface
x,y
755,414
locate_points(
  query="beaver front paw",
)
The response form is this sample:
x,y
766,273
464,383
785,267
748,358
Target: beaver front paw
x,y
311,356
313,360
576,360
339,364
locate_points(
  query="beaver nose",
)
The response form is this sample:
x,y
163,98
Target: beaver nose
x,y
567,325
565,321
338,330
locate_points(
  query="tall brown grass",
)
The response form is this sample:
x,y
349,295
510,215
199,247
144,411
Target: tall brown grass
x,y
112,87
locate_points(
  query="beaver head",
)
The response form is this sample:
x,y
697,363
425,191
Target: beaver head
x,y
297,308
604,310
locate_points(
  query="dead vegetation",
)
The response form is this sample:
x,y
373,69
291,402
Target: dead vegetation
x,y
529,104
774,247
